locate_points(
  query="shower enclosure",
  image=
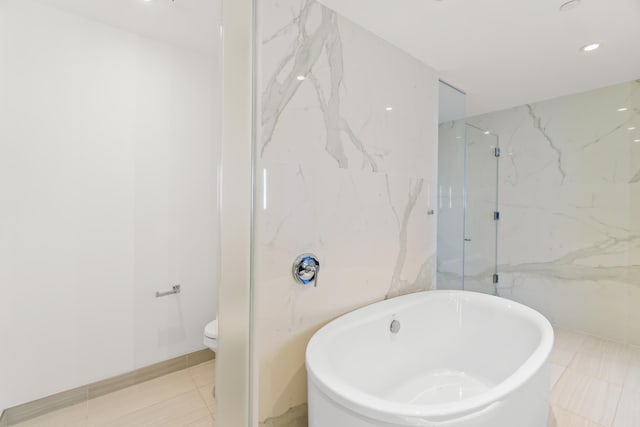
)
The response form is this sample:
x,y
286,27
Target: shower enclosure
x,y
468,214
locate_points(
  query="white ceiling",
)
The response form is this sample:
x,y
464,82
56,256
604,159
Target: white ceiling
x,y
190,23
504,53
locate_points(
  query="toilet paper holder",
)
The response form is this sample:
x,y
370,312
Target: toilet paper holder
x,y
174,290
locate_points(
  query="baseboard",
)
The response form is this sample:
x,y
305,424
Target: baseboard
x,y
57,401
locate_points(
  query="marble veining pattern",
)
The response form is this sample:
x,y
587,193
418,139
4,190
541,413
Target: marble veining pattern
x,y
304,55
537,123
423,281
346,167
569,234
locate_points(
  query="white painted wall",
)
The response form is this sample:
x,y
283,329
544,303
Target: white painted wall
x,y
107,194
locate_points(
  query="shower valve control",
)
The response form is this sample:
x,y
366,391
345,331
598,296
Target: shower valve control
x,y
305,269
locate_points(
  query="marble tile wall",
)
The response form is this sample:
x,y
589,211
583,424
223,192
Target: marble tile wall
x,y
346,169
569,234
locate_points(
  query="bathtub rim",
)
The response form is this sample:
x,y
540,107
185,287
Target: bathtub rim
x,y
376,408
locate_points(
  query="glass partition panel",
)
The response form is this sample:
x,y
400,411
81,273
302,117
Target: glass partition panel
x,y
481,211
451,174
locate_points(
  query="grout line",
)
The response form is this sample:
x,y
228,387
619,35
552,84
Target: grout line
x,y
592,378
626,359
204,402
586,334
211,414
581,416
609,384
564,371
615,413
116,420
573,357
633,363
199,394
574,353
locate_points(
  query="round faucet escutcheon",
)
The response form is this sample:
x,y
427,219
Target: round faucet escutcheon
x,y
305,269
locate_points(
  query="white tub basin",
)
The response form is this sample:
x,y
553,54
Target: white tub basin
x,y
458,359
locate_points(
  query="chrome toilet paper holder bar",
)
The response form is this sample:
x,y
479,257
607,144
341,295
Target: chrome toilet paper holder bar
x,y
174,290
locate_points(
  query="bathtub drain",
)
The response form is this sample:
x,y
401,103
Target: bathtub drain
x,y
394,327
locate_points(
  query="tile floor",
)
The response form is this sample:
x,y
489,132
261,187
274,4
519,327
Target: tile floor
x,y
179,399
595,383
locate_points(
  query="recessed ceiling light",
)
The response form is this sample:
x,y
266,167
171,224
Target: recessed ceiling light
x,y
301,78
389,109
147,1
590,47
568,5
486,132
636,140
631,128
621,109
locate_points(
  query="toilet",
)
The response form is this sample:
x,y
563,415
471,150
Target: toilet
x,y
211,340
211,335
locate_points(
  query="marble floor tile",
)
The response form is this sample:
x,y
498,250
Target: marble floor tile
x,y
632,381
179,399
73,416
596,384
628,414
568,340
556,373
562,357
563,418
204,373
179,411
202,422
592,398
602,359
596,345
115,405
207,398
565,346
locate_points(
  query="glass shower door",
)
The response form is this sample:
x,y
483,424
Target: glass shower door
x,y
481,210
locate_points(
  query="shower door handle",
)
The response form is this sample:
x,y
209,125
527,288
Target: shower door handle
x,y
466,239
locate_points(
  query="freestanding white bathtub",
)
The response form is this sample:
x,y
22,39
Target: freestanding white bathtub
x,y
458,359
